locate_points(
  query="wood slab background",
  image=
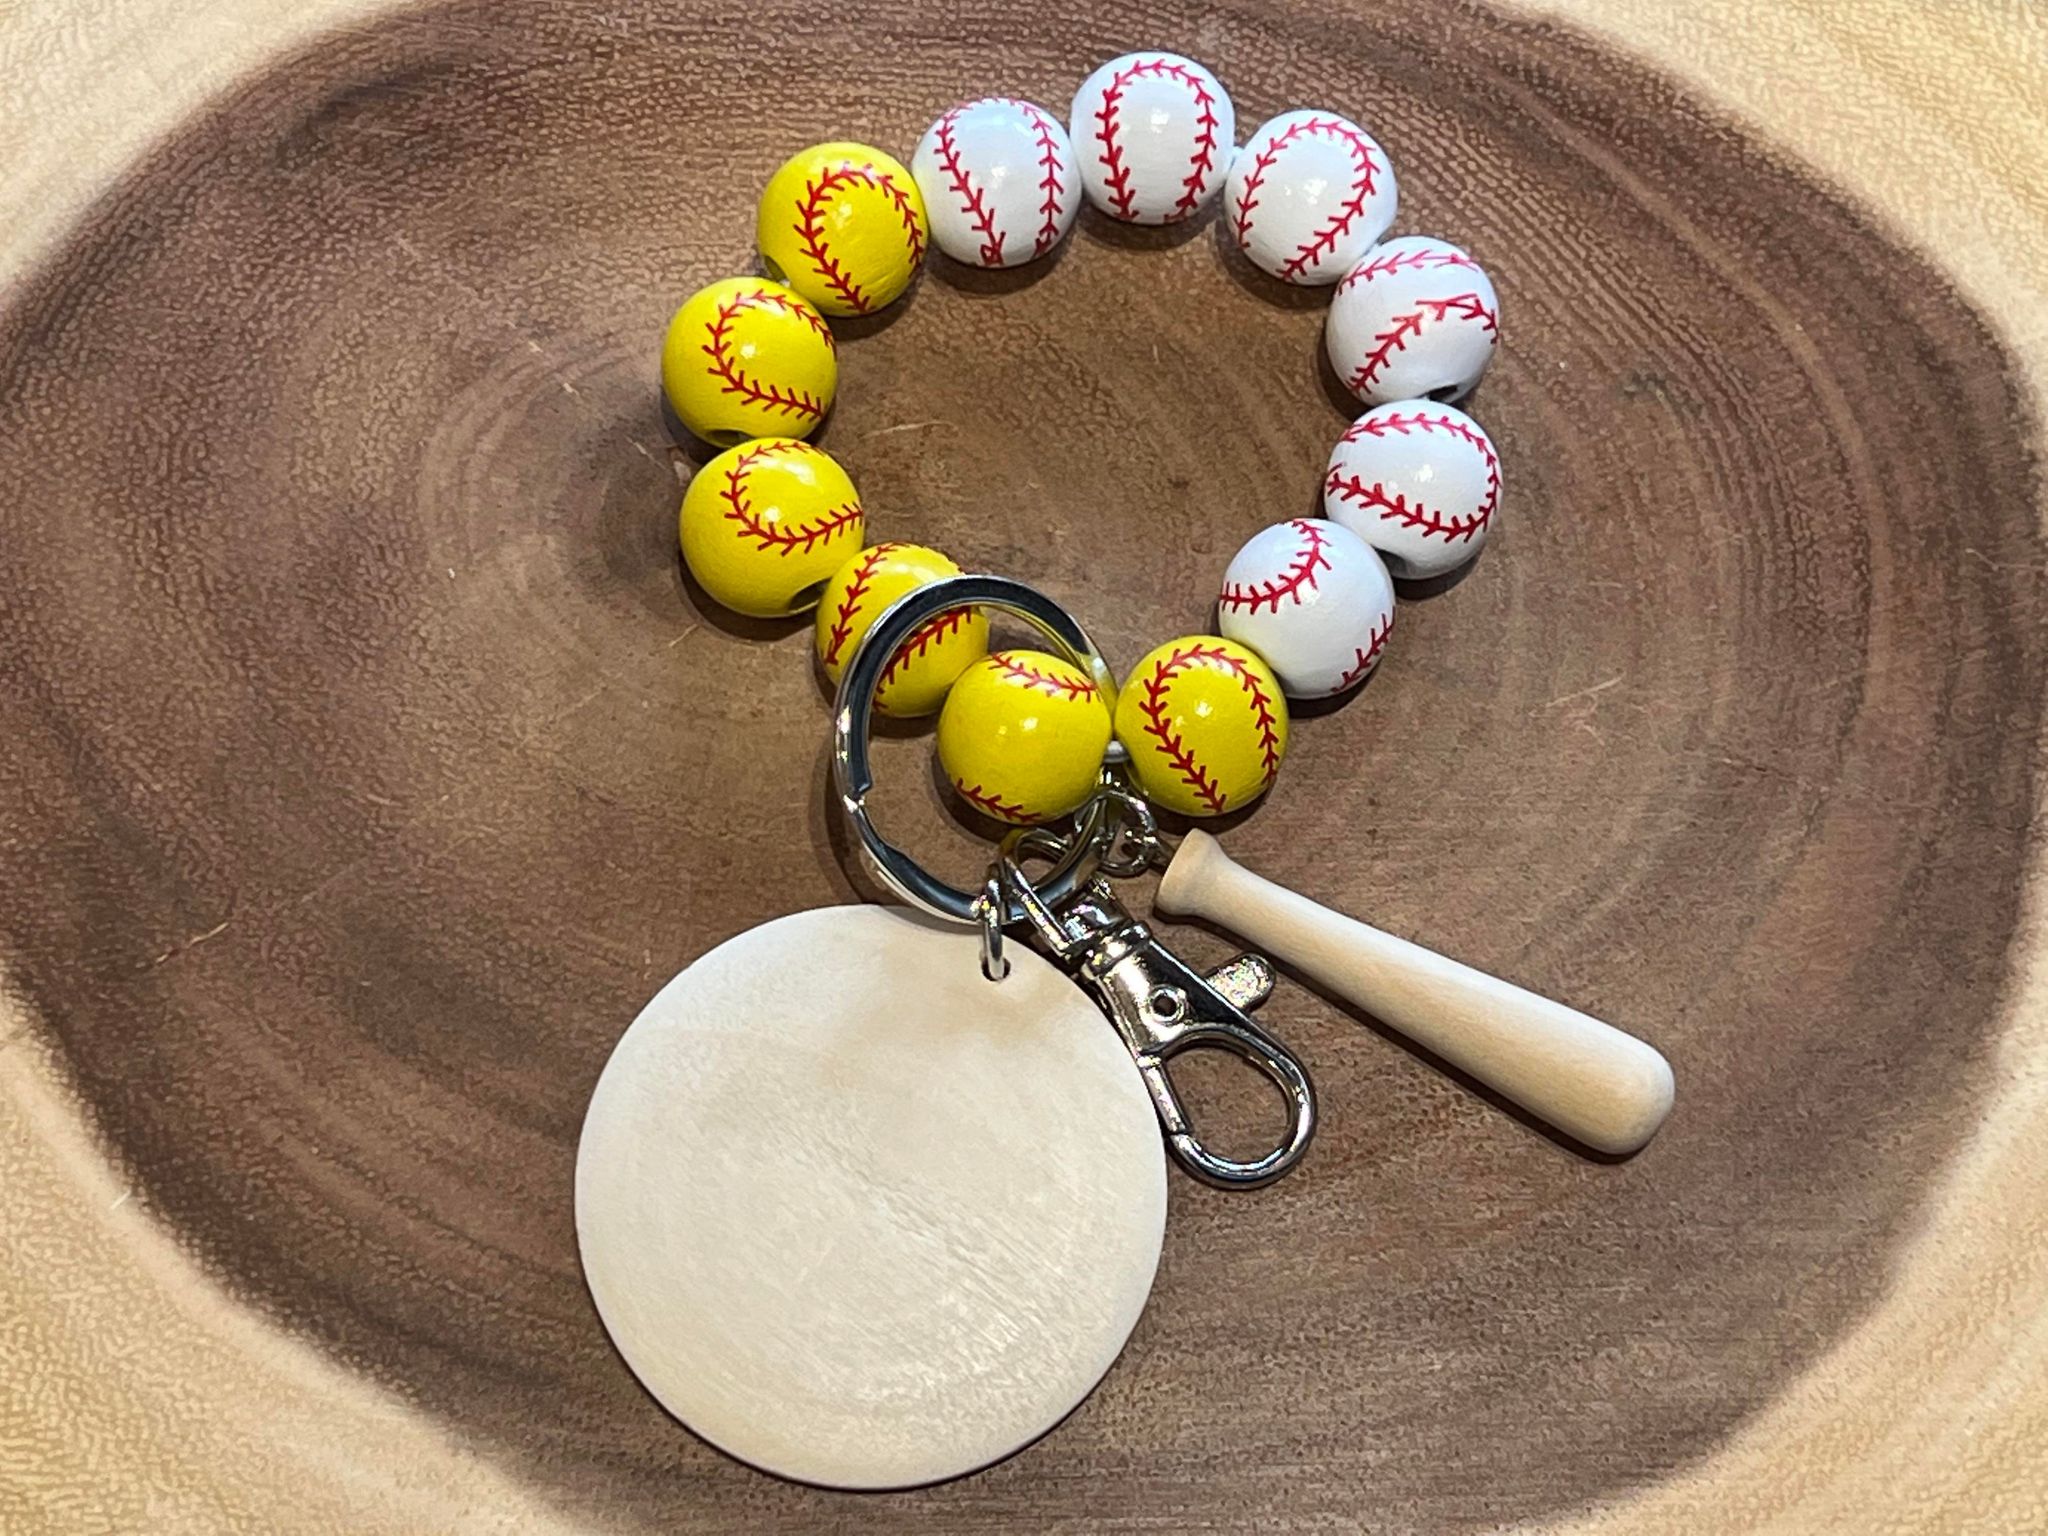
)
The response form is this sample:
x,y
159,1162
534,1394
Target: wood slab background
x,y
365,760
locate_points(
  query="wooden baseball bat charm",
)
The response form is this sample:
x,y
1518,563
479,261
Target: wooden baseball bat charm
x,y
1588,1079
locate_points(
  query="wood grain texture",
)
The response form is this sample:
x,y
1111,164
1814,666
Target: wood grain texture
x,y
350,681
844,1233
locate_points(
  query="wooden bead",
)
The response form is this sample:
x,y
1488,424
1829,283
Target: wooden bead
x,y
748,358
1416,317
1308,195
937,651
1155,134
1314,601
1205,724
1418,481
998,180
844,225
764,524
1022,736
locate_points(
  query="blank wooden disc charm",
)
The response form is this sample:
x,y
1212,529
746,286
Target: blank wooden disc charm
x,y
859,1216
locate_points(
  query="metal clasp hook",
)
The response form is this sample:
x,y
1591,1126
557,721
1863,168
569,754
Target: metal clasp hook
x,y
1161,1006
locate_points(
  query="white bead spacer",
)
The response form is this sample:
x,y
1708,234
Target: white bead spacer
x,y
999,181
1418,481
1314,600
1308,195
1155,134
1417,317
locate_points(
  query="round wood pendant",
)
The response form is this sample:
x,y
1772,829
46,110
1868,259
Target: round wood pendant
x,y
858,1215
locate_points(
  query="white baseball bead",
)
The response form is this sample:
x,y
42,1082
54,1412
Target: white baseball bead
x,y
1314,600
1416,317
1418,481
1155,134
998,181
1308,195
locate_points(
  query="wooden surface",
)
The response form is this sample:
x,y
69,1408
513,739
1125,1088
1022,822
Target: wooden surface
x,y
369,762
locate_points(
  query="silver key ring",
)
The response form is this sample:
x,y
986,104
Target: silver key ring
x,y
854,777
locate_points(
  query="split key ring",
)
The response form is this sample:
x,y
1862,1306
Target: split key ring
x,y
1159,1004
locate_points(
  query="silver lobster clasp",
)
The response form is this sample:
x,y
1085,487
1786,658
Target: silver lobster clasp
x,y
1161,1006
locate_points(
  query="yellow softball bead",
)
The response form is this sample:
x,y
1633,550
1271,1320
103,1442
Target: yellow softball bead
x,y
938,650
1205,724
748,358
765,525
844,225
1022,736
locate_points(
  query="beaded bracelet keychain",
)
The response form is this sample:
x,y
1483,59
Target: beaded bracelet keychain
x,y
871,1199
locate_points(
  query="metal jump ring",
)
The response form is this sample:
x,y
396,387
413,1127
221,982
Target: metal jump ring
x,y
1134,844
988,910
854,777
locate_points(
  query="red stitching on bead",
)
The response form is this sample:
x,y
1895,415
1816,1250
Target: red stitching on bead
x,y
1051,185
810,224
1201,162
801,538
1299,577
1363,183
1045,682
849,600
1378,426
810,230
1177,753
922,639
1376,643
789,304
994,805
972,201
733,381
1466,306
1405,261
1425,520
